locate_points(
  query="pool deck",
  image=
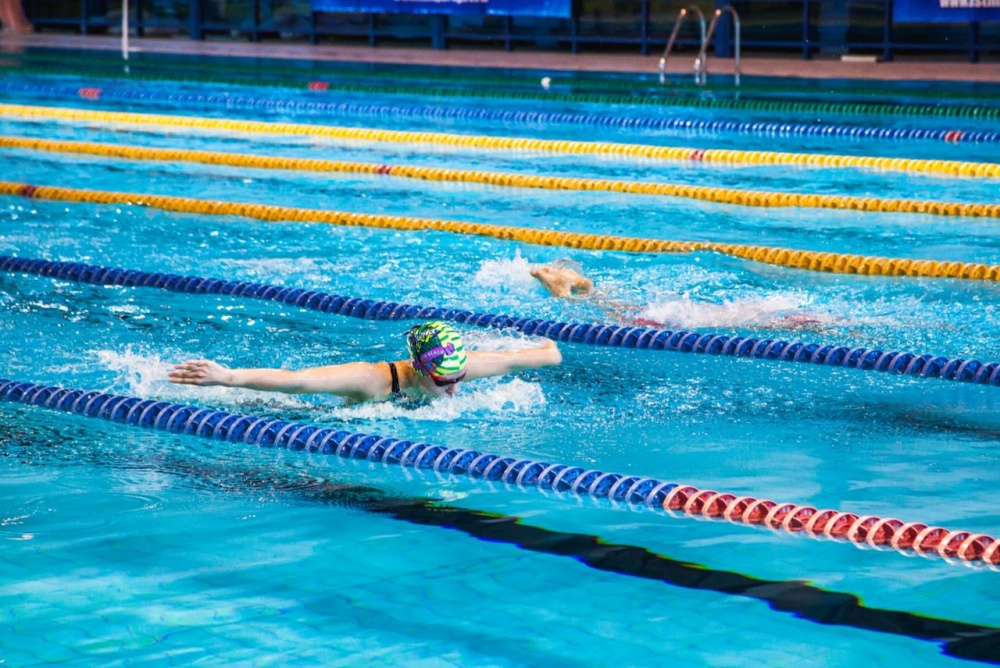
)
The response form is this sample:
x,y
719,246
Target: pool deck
x,y
910,69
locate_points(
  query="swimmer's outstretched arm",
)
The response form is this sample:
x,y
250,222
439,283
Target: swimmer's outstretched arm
x,y
567,283
355,380
483,364
562,281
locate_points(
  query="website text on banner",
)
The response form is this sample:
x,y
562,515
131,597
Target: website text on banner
x,y
945,11
554,8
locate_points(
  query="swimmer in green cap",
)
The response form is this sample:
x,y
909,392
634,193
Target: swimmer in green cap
x,y
438,363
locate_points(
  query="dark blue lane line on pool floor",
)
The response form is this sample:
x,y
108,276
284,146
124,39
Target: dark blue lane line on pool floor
x,y
869,359
830,608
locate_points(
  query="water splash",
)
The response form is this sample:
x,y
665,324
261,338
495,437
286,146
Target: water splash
x,y
510,275
307,271
778,310
512,397
145,375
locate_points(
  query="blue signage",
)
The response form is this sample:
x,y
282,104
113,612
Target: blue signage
x,y
554,8
945,11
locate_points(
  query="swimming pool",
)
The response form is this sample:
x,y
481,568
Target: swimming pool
x,y
125,545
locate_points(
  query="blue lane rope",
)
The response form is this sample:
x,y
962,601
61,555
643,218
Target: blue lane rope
x,y
769,129
528,473
275,433
643,338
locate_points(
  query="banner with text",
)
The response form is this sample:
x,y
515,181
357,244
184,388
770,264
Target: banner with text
x,y
945,11
555,8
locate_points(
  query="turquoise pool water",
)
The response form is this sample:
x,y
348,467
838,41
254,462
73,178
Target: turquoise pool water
x,y
129,547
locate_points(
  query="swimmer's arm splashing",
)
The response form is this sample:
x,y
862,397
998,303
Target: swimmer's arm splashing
x,y
356,380
483,364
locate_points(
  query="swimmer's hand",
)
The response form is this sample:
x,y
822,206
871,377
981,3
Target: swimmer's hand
x,y
562,281
200,372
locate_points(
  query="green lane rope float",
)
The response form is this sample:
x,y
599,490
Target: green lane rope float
x,y
690,125
670,99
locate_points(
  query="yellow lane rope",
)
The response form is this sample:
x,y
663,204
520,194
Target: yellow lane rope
x,y
946,167
721,195
815,261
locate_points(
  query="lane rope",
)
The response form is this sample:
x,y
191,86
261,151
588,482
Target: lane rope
x,y
783,257
670,99
645,151
755,198
690,125
290,76
615,336
675,498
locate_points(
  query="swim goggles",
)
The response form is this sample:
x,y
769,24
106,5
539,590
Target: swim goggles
x,y
444,382
421,366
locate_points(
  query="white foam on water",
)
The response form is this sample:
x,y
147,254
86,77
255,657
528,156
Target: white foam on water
x,y
275,269
684,312
510,275
493,340
887,313
145,375
513,397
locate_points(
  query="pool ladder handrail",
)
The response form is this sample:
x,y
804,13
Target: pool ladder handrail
x,y
125,22
703,54
673,38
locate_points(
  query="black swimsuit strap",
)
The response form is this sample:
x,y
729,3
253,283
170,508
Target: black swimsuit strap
x,y
395,378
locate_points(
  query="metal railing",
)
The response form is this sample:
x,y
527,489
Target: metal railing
x,y
253,20
125,29
673,38
701,64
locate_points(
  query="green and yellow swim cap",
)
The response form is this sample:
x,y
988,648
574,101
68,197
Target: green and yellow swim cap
x,y
436,349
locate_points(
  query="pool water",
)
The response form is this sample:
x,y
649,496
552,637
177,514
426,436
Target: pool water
x,y
127,546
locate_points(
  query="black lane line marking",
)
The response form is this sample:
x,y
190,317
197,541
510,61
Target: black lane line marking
x,y
831,608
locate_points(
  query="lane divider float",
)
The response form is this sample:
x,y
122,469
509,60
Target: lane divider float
x,y
675,498
290,77
656,99
799,259
645,151
753,198
691,125
615,336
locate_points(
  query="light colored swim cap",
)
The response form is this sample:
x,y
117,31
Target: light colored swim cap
x,y
436,349
569,264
